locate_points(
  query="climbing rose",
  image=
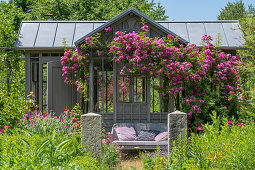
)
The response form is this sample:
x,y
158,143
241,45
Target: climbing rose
x,y
108,29
229,122
145,28
8,127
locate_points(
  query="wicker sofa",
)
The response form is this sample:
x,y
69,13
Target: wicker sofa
x,y
139,145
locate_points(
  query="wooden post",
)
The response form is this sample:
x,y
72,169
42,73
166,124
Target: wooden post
x,y
91,86
27,74
114,92
40,82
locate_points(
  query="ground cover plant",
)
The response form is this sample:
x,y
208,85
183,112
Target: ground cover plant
x,y
224,144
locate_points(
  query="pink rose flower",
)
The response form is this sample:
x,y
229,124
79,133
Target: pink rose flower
x,y
199,128
145,28
108,29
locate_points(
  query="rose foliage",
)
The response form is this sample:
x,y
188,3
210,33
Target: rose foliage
x,y
202,79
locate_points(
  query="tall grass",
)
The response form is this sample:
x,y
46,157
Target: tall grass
x,y
34,151
221,145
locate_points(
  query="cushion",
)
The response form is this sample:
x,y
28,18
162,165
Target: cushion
x,y
162,136
126,133
146,135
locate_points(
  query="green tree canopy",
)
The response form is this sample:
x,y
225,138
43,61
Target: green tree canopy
x,y
235,11
88,9
232,11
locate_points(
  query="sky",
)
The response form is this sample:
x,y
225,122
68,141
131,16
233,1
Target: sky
x,y
179,10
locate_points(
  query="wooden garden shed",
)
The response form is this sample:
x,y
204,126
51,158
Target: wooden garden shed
x,y
43,45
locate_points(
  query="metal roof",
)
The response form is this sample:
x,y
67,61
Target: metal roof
x,y
49,35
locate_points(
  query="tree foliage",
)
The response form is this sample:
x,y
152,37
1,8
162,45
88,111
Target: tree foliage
x,y
88,9
232,11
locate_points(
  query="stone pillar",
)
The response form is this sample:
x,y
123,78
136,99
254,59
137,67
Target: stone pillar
x,y
91,133
177,124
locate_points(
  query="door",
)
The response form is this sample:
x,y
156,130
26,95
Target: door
x,y
132,102
59,94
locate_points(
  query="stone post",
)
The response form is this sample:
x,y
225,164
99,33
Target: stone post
x,y
177,124
91,133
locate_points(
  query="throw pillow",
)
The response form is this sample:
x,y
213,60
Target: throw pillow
x,y
126,133
146,135
161,136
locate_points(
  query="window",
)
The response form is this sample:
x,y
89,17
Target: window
x,y
134,92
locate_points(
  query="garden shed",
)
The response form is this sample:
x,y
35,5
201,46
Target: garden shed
x,y
43,45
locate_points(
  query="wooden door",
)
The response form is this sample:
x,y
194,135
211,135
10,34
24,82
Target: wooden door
x,y
59,94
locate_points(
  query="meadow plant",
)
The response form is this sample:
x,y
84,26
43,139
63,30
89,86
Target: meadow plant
x,y
224,144
67,123
111,151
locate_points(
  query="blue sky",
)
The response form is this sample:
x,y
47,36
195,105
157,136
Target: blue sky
x,y
196,9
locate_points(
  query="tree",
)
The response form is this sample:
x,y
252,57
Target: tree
x,y
232,11
11,69
88,9
11,18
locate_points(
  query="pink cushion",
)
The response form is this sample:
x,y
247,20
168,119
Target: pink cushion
x,y
126,133
161,136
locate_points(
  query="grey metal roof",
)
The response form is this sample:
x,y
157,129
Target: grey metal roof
x,y
42,35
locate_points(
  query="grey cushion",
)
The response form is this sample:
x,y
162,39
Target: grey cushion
x,y
146,135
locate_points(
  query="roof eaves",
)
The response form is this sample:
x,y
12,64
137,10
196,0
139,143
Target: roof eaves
x,y
43,48
201,21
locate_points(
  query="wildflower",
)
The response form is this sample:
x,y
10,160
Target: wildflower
x,y
229,122
78,123
67,126
240,124
8,127
199,128
74,119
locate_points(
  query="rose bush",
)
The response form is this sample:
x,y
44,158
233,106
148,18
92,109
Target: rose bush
x,y
200,79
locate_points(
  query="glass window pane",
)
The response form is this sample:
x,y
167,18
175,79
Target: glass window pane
x,y
155,98
123,93
139,89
